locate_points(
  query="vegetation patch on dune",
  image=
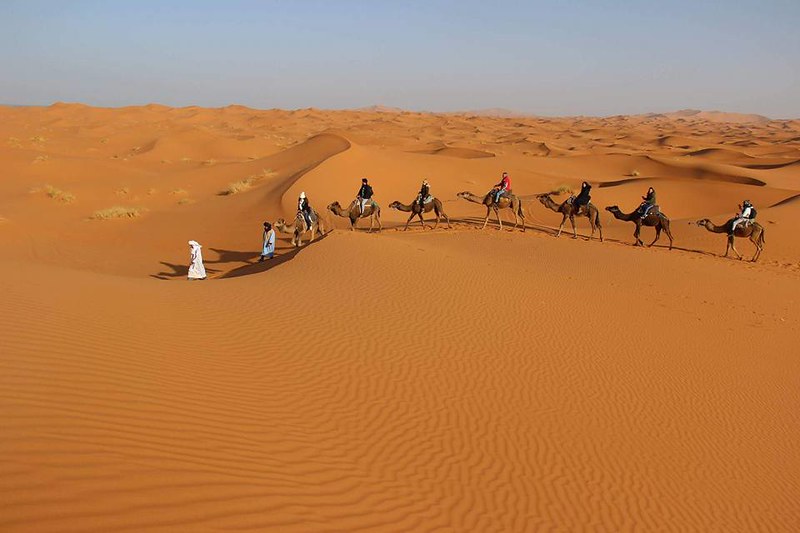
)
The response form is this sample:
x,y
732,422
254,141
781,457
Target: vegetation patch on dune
x,y
117,212
242,185
184,201
55,193
178,191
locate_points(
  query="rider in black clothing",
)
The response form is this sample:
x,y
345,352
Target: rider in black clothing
x,y
424,192
364,195
582,198
304,208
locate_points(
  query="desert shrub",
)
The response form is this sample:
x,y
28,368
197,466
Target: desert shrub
x,y
55,193
117,212
244,184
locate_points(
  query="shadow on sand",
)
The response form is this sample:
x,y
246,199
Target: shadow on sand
x,y
253,266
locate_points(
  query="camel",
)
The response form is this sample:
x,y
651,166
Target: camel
x,y
658,219
509,201
372,211
434,205
754,231
298,227
567,210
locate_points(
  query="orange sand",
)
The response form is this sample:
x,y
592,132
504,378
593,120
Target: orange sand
x,y
448,380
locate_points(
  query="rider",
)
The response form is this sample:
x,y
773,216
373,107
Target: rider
x,y
424,192
648,204
364,195
582,198
502,188
304,209
746,213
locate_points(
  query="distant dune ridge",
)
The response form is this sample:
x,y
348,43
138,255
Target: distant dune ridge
x,y
449,379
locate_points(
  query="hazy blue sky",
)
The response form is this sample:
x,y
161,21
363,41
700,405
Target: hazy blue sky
x,y
552,58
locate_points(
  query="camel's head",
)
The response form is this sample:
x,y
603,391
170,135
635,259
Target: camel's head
x,y
334,206
702,222
280,223
544,197
395,205
464,194
612,209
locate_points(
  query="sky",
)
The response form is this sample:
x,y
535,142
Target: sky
x,y
548,58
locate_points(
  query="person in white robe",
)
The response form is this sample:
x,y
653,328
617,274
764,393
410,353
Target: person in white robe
x,y
196,268
268,247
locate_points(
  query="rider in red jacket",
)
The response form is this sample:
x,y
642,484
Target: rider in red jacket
x,y
502,187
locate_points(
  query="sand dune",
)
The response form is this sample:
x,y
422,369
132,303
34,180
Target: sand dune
x,y
458,380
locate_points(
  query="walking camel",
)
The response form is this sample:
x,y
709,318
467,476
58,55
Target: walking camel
x,y
434,205
658,220
567,210
298,227
372,211
506,202
754,231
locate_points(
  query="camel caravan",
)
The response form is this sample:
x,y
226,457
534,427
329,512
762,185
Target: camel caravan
x,y
498,199
501,197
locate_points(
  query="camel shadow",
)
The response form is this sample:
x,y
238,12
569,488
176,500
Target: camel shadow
x,y
256,267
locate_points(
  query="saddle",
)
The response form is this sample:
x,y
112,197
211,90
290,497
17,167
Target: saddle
x,y
311,216
655,210
428,199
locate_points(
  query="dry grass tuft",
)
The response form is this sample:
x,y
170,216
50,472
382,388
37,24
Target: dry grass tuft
x,y
185,201
38,139
561,189
238,186
178,191
242,185
123,191
55,193
41,158
209,162
634,173
117,212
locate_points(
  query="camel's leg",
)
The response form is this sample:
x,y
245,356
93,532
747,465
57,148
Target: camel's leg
x,y
378,218
486,220
421,220
352,224
561,226
658,234
371,222
574,231
636,235
437,220
759,247
599,227
407,221
499,220
728,246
